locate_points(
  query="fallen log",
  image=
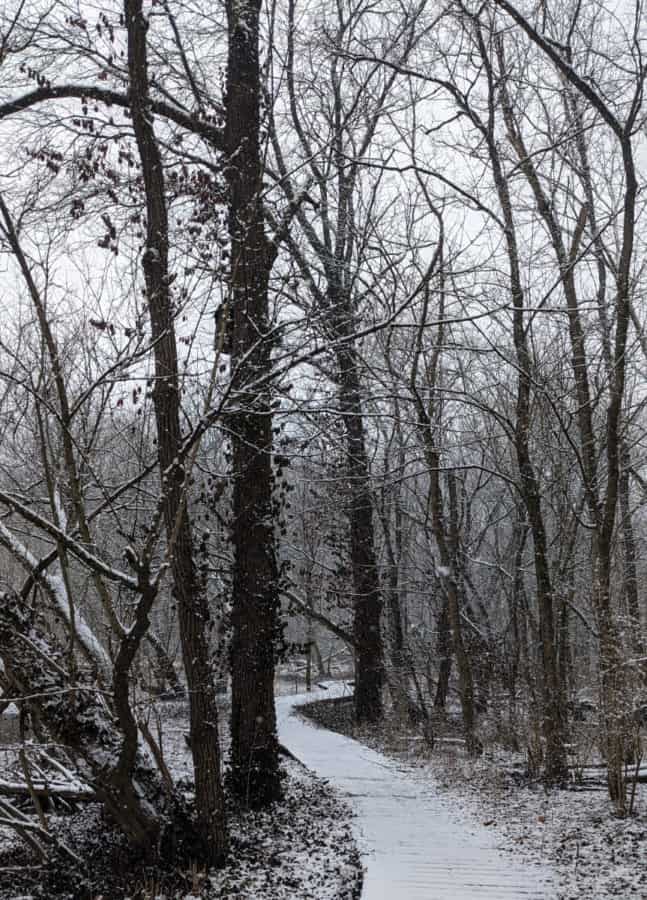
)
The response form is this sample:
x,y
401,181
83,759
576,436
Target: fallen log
x,y
49,790
78,716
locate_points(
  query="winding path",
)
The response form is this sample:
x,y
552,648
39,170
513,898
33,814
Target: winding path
x,y
412,846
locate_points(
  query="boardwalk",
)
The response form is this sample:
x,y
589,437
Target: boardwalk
x,y
414,849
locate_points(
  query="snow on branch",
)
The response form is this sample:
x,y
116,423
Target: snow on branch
x,y
73,546
57,591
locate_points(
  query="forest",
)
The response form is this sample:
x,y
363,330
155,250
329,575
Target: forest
x,y
322,357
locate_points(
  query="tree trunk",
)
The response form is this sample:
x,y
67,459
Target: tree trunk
x,y
321,669
163,667
628,539
615,712
553,720
336,257
564,650
397,672
369,666
446,539
255,612
450,580
613,676
193,610
444,646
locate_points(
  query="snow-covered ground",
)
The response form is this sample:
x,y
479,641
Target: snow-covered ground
x,y
572,834
594,855
429,828
416,845
300,849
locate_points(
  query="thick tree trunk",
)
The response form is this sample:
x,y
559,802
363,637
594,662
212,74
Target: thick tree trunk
x,y
367,602
629,552
255,613
444,646
193,610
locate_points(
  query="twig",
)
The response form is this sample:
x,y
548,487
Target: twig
x,y
36,800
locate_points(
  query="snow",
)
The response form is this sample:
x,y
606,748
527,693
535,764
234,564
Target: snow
x,y
415,844
583,850
594,854
58,592
61,515
440,828
299,849
77,549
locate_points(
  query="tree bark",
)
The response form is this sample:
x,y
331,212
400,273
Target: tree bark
x,y
255,613
193,611
629,552
397,674
367,601
613,673
553,719
445,533
163,666
450,581
444,647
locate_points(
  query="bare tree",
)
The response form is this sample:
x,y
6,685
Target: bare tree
x,y
254,764
603,509
193,610
332,142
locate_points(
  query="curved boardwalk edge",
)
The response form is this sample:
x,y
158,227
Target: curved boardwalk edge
x,y
413,846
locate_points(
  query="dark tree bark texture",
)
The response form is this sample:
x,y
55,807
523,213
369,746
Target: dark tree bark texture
x,y
193,610
367,603
254,756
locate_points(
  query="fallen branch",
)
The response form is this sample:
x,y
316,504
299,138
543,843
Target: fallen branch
x,y
33,793
49,790
78,717
34,834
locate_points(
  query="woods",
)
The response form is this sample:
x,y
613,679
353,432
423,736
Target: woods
x,y
323,327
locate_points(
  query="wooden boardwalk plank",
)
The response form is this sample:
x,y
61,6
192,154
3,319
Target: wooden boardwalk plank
x,y
414,847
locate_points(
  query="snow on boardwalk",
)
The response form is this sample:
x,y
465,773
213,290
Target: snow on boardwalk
x,y
413,847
